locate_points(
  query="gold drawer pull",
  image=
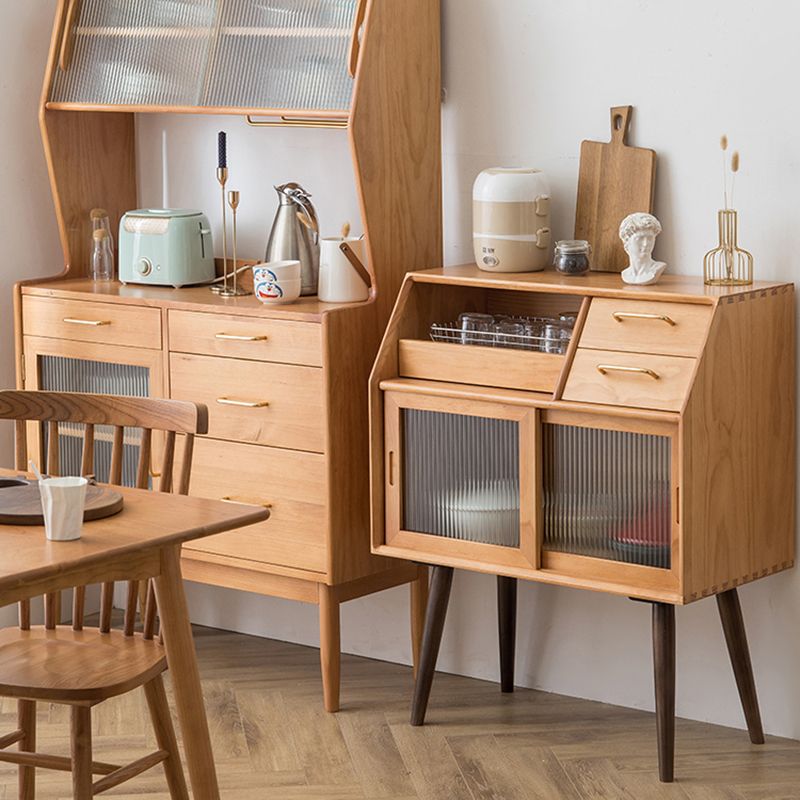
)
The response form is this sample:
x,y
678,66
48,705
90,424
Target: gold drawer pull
x,y
604,369
245,501
621,316
92,323
226,401
230,337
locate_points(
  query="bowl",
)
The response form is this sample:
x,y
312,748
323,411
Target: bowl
x,y
275,293
278,282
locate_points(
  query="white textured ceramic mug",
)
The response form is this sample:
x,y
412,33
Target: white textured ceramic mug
x,y
63,501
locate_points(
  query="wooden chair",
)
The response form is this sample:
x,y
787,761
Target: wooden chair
x,y
81,666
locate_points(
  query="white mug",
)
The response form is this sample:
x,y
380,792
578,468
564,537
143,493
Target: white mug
x,y
338,280
63,501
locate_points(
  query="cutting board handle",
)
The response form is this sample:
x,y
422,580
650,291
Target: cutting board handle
x,y
620,123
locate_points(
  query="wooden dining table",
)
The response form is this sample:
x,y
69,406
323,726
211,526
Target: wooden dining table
x,y
142,541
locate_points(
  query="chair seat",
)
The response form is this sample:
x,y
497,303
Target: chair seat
x,y
69,666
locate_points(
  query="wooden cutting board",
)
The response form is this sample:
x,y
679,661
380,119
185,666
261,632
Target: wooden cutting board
x,y
615,180
22,505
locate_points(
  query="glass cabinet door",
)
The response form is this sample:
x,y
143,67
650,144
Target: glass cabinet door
x,y
283,54
243,54
608,493
57,366
461,478
119,52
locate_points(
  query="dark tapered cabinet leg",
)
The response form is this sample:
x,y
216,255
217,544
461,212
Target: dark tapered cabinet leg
x,y
664,664
507,626
438,597
730,612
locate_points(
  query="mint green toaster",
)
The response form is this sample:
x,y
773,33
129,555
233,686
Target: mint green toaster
x,y
165,247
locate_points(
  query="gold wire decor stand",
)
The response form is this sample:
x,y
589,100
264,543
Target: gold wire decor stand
x,y
728,264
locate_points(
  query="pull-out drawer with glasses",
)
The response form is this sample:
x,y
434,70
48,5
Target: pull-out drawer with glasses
x,y
280,405
487,337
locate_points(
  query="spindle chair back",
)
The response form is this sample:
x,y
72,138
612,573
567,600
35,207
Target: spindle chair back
x,y
147,415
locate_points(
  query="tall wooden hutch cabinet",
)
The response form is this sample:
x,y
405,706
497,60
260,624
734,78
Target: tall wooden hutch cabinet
x,y
286,386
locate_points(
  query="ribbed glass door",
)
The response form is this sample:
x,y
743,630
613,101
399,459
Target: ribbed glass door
x,y
247,54
132,52
283,54
461,478
607,494
60,374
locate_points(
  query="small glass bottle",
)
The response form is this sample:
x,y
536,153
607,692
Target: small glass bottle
x,y
102,256
100,221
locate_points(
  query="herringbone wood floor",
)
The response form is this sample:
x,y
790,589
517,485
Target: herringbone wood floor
x,y
273,741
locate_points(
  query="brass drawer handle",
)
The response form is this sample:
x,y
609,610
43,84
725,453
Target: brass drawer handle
x,y
604,369
226,401
245,501
230,337
621,316
92,323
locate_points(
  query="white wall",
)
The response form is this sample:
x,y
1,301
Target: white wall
x,y
526,81
27,222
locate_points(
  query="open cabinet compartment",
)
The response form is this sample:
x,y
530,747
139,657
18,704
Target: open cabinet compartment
x,y
461,361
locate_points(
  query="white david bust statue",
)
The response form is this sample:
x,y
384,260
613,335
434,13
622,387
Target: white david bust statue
x,y
638,233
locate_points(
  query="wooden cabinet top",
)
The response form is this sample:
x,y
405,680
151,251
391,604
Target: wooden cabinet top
x,y
671,288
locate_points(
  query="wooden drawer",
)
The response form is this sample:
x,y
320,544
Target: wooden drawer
x,y
83,321
257,339
272,404
291,483
637,380
640,326
483,366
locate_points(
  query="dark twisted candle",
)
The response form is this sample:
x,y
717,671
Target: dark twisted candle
x,y
222,146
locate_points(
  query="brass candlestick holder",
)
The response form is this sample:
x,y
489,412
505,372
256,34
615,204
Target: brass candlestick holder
x,y
235,290
728,264
222,289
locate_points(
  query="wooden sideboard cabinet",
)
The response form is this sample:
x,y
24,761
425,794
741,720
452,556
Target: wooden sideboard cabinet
x,y
652,455
286,386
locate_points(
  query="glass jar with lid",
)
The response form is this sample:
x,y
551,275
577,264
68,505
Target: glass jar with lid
x,y
573,257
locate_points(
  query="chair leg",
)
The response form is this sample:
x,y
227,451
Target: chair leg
x,y
730,612
507,626
26,722
664,663
441,583
165,736
81,745
330,646
419,603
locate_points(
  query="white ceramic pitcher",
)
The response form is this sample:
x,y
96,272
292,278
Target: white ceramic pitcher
x,y
338,280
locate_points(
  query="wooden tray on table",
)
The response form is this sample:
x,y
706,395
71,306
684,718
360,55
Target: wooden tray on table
x,y
20,502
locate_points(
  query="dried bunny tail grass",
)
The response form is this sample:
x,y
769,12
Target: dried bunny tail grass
x,y
735,164
723,143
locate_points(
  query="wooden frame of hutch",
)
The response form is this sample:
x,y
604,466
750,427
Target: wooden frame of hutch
x,y
312,458
696,382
